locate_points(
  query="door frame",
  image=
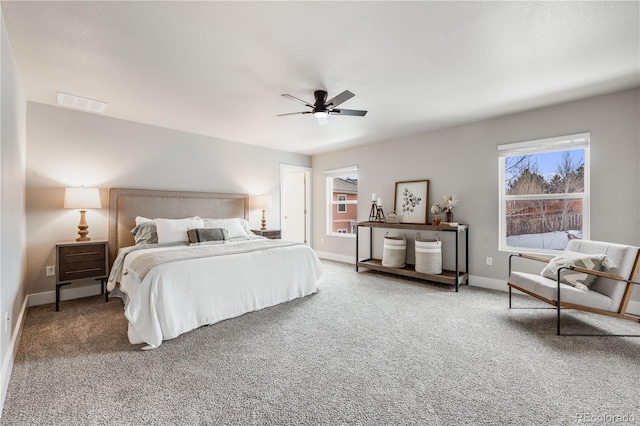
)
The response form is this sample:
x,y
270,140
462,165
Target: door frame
x,y
285,169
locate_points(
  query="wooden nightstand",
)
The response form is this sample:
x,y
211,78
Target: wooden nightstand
x,y
272,234
81,260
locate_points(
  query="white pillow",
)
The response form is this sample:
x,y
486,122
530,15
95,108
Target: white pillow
x,y
175,230
233,225
140,219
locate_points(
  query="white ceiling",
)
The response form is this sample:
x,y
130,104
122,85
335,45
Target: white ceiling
x,y
219,68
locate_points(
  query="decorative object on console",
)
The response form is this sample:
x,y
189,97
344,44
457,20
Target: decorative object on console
x,y
374,208
394,254
262,202
392,217
411,200
379,213
445,206
428,255
448,203
436,209
82,198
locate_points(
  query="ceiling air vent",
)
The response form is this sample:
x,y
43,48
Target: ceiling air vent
x,y
84,104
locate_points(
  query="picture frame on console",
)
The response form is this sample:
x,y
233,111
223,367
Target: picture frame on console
x,y
412,201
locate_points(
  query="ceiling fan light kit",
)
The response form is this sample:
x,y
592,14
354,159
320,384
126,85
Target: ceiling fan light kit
x,y
322,108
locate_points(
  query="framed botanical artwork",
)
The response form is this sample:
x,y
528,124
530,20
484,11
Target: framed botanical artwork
x,y
412,201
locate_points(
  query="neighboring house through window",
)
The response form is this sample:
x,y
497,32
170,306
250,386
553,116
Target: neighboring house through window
x,y
342,201
544,193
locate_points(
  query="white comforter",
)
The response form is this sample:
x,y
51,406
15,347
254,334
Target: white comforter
x,y
177,297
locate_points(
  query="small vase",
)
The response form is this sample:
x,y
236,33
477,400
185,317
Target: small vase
x,y
449,216
436,221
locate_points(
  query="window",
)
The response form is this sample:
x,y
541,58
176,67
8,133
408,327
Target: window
x,y
342,201
342,208
544,193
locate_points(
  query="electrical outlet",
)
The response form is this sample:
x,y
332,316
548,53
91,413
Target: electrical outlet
x,y
489,261
50,270
321,240
7,322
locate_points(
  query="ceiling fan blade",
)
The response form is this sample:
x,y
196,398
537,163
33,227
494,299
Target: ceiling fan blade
x,y
355,112
293,98
342,97
294,113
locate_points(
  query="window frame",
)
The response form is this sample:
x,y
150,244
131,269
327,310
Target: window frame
x,y
541,146
330,202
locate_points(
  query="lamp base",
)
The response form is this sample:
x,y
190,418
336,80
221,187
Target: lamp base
x,y
83,227
264,222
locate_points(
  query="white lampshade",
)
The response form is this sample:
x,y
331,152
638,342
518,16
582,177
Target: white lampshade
x,y
262,202
82,198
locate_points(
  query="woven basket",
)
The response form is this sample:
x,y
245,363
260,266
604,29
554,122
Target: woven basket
x,y
394,254
428,256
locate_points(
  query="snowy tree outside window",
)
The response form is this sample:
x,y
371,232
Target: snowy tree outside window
x,y
544,193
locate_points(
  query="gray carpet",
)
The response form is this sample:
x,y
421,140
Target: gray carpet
x,y
367,349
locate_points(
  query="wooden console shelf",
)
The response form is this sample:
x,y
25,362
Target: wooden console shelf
x,y
447,276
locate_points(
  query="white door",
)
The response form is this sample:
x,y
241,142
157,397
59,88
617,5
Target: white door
x,y
295,188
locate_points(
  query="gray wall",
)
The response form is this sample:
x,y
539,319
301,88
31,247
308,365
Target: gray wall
x,y
72,148
463,160
12,203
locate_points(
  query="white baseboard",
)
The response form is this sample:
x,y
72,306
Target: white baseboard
x,y
474,280
7,366
65,294
490,283
336,257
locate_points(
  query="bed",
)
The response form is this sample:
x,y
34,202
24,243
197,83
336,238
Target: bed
x,y
172,284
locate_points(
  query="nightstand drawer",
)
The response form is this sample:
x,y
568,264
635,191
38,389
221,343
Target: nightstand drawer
x,y
80,254
85,269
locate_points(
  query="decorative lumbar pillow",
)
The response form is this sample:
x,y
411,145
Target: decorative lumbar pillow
x,y
208,236
235,226
145,233
175,230
575,279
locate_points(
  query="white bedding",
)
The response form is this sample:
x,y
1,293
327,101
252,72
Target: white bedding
x,y
179,296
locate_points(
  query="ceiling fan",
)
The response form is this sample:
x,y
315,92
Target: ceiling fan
x,y
322,107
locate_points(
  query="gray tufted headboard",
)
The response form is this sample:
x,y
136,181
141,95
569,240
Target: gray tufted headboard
x,y
126,204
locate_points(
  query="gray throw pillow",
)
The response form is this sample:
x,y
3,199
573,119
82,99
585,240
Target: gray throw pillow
x,y
576,279
145,233
208,236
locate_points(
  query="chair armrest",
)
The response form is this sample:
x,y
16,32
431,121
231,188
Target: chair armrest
x,y
597,273
600,274
527,256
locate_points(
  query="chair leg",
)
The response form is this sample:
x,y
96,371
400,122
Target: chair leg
x,y
509,297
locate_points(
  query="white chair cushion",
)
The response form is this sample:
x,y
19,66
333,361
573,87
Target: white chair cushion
x,y
549,289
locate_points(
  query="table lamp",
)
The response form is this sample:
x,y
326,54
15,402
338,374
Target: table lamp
x,y
82,198
263,202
